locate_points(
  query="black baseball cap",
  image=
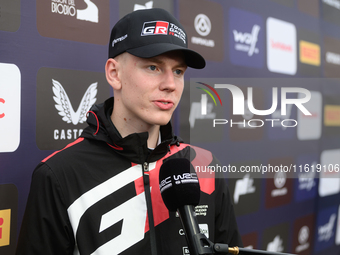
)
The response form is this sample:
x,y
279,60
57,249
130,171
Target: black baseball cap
x,y
149,33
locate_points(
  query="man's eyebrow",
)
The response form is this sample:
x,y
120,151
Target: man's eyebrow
x,y
160,61
155,59
182,65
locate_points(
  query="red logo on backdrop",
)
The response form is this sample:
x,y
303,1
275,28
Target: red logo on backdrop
x,y
281,46
2,101
5,227
155,27
8,216
1,223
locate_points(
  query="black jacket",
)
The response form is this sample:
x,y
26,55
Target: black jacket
x,y
89,198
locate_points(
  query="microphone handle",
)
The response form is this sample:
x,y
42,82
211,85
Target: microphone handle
x,y
190,225
224,248
199,244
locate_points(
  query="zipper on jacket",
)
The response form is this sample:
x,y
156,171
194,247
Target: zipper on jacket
x,y
146,167
146,178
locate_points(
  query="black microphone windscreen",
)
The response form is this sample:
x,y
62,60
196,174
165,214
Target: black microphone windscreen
x,y
178,183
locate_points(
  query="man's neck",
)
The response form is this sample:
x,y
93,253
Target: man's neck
x,y
126,127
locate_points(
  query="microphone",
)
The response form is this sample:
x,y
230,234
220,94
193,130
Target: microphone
x,y
179,184
180,191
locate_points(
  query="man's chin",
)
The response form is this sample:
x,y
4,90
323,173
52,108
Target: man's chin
x,y
162,122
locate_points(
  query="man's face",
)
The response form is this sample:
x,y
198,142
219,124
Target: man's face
x,y
150,88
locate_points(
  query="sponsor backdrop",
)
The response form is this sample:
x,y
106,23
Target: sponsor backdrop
x,y
52,53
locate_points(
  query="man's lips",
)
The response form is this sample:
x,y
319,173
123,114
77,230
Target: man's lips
x,y
164,104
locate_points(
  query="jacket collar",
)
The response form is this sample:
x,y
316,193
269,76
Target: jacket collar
x,y
133,146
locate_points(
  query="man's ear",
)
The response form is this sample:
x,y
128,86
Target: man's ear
x,y
111,72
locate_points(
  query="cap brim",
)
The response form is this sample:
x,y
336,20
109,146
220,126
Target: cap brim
x,y
192,58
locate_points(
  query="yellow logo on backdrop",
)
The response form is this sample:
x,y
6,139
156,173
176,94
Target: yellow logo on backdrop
x,y
332,115
5,227
309,53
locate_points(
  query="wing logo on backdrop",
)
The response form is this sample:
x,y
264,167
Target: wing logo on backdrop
x,y
63,99
64,106
67,7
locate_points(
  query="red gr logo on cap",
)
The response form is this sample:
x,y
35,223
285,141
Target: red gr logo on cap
x,y
155,28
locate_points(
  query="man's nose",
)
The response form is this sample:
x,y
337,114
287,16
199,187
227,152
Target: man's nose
x,y
168,82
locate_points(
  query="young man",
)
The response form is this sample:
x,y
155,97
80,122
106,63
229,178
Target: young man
x,y
100,195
